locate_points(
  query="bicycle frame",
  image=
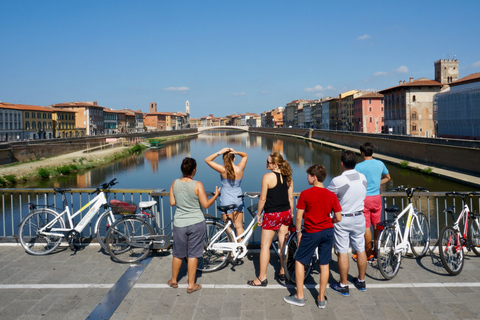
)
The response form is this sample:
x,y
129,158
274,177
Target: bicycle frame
x,y
96,203
232,246
461,238
401,241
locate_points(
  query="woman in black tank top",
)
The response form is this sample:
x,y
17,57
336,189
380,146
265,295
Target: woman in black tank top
x,y
276,199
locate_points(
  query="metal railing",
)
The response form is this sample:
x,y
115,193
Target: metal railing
x,y
14,207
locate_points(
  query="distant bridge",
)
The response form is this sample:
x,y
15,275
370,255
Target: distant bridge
x,y
238,128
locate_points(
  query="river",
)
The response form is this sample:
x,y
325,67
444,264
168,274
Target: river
x,y
157,168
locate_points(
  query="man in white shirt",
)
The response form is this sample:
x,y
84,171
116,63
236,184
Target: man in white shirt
x,y
351,189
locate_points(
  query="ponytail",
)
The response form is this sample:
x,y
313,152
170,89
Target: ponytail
x,y
283,165
228,162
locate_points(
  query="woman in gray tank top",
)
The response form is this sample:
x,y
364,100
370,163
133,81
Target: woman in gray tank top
x,y
189,227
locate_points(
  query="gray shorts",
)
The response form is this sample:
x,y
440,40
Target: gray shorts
x,y
188,241
350,232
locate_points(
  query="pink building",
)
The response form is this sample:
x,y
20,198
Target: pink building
x,y
368,113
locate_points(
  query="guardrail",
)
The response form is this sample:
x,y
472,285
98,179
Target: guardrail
x,y
14,207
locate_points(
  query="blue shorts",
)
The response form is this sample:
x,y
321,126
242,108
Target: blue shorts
x,y
323,240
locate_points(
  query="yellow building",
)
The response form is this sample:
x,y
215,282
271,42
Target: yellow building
x,y
64,123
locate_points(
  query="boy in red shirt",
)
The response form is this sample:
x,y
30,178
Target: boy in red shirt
x,y
314,206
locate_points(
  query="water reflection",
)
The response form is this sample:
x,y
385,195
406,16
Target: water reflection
x,y
157,168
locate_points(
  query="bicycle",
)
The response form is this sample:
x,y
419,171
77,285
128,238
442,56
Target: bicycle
x,y
452,242
131,237
392,245
221,244
43,229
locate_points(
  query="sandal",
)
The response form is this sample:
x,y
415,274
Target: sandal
x,y
281,277
262,283
172,284
196,288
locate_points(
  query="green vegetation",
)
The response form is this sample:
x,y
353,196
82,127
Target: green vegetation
x,y
403,164
2,181
11,178
427,170
43,173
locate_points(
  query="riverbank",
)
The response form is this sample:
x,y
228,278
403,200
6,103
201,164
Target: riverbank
x,y
25,171
467,179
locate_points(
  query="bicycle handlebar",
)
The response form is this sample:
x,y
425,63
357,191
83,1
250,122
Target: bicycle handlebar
x,y
250,195
402,188
105,186
463,195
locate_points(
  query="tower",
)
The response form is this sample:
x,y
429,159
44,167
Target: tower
x,y
187,107
446,70
153,107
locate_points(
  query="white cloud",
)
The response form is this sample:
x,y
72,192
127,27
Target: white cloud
x,y
475,64
364,37
380,73
177,89
318,88
402,69
238,94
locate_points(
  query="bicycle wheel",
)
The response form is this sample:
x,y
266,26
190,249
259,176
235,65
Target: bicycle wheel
x,y
214,259
474,235
289,258
388,261
451,252
419,235
29,232
128,240
104,222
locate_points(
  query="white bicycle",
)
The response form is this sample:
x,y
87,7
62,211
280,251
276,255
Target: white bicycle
x,y
393,245
221,243
43,229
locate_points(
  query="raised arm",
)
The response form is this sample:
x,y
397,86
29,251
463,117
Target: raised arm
x,y
202,195
215,166
244,156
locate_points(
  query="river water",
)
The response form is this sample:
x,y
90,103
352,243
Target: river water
x,y
157,168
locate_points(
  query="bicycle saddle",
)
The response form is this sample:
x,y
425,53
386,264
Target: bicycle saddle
x,y
393,208
224,209
61,190
147,204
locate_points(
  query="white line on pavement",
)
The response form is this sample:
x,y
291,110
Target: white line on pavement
x,y
230,286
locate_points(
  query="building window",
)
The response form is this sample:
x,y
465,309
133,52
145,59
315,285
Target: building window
x,y
369,101
414,115
33,115
414,99
33,125
370,119
369,109
27,115
39,115
414,127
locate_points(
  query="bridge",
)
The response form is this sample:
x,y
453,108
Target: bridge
x,y
223,128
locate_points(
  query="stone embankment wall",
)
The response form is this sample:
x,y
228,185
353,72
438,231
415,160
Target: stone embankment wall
x,y
458,155
36,149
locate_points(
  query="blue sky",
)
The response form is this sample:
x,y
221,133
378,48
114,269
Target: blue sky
x,y
224,57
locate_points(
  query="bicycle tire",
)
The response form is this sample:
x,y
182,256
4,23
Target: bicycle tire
x,y
289,258
213,260
419,235
104,222
128,240
33,242
452,259
474,235
388,261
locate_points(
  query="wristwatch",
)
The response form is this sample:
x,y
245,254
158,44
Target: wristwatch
x,y
298,231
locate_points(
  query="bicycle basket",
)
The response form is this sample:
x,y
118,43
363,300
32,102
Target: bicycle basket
x,y
123,207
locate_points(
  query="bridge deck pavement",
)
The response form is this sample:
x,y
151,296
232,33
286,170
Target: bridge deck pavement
x,y
67,286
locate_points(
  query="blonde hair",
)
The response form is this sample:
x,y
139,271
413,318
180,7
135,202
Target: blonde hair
x,y
283,165
228,162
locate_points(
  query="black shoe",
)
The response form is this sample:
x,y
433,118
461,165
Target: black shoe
x,y
262,283
344,291
282,277
360,285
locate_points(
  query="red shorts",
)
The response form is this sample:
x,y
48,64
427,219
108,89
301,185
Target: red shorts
x,y
274,220
372,210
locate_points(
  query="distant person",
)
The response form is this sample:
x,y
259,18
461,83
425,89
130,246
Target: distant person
x,y
377,174
189,226
314,207
276,198
351,189
231,177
